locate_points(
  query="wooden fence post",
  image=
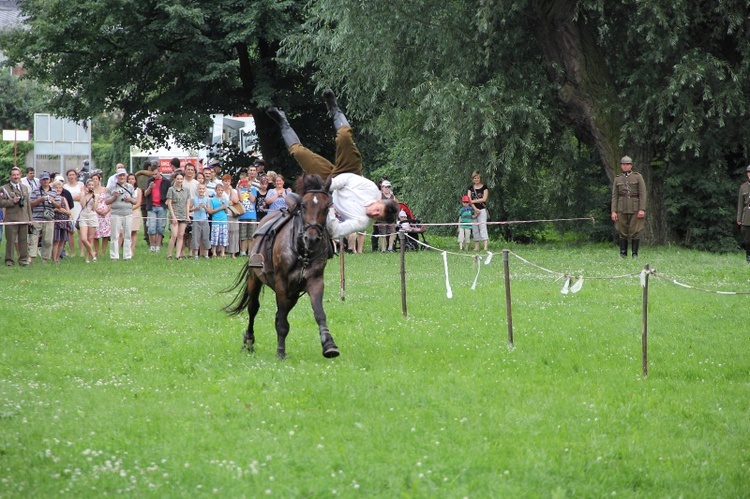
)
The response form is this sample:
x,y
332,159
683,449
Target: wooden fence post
x,y
342,270
644,332
508,312
402,244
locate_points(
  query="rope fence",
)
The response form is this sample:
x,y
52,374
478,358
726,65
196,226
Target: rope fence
x,y
568,286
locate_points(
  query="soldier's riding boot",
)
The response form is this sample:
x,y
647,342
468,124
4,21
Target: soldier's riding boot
x,y
747,255
339,119
635,243
623,248
287,133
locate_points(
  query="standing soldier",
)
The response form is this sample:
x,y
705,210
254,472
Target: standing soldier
x,y
629,206
743,213
14,198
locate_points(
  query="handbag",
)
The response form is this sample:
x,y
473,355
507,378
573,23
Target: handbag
x,y
237,209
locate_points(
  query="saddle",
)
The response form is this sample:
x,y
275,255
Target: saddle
x,y
273,223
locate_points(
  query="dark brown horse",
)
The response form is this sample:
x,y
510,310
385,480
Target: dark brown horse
x,y
289,254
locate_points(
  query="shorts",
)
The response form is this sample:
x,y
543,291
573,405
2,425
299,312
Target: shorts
x,y
201,235
385,229
247,229
157,220
219,235
464,235
88,219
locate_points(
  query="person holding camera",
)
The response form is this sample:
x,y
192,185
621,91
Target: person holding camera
x,y
14,197
43,202
121,198
88,220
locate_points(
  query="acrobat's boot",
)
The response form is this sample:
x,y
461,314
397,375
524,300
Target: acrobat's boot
x,y
287,133
339,119
635,243
623,248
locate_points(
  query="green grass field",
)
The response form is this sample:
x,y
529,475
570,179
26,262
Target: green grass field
x,y
126,378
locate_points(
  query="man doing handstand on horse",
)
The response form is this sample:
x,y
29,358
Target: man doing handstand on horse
x,y
356,199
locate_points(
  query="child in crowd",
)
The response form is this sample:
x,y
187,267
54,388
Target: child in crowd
x,y
465,218
219,229
201,240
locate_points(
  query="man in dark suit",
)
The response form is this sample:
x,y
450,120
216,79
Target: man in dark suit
x,y
14,197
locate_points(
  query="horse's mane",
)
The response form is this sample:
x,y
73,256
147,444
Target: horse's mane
x,y
307,183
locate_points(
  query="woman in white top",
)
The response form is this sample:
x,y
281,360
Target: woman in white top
x,y
137,222
76,191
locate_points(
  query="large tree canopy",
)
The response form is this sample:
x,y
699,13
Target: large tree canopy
x,y
499,84
166,66
543,96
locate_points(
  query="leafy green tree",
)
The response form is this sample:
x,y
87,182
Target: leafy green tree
x,y
500,85
166,66
19,100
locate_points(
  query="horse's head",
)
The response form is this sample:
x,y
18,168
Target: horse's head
x,y
316,200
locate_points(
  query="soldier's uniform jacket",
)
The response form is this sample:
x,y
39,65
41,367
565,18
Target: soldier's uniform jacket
x,y
13,211
743,202
629,193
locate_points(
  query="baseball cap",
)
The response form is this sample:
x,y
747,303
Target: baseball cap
x,y
465,199
44,175
121,171
385,183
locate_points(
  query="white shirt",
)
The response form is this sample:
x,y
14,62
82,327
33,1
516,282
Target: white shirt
x,y
30,186
112,181
191,185
352,194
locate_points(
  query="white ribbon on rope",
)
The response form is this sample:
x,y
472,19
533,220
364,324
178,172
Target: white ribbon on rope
x,y
448,290
477,259
489,258
575,288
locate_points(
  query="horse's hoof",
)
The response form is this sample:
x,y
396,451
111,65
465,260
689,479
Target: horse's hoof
x,y
281,356
331,353
250,347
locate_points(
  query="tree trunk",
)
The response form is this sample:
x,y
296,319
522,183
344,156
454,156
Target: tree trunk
x,y
588,99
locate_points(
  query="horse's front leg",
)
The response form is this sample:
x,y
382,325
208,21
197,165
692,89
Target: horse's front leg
x,y
315,290
284,304
254,286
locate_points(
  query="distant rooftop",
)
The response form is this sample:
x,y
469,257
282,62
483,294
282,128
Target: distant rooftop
x,y
9,13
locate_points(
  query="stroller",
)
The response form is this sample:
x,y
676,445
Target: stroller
x,y
412,227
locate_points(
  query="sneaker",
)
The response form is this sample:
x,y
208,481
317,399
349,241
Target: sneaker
x,y
196,257
151,249
243,253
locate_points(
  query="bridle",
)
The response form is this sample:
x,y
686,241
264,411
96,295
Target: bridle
x,y
320,228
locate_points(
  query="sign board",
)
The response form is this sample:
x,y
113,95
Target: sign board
x,y
165,164
61,137
16,135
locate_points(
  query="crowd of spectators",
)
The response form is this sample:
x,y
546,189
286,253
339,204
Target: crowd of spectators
x,y
207,215
82,215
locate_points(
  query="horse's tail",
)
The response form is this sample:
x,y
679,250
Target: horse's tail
x,y
242,300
